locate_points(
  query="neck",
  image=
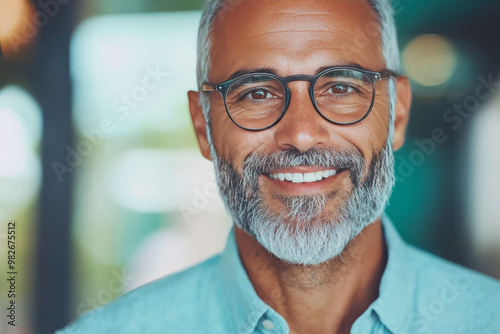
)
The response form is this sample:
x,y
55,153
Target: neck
x,y
324,298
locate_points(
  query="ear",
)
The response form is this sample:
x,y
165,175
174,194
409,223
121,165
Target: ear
x,y
402,111
199,123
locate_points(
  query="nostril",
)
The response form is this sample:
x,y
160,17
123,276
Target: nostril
x,y
301,132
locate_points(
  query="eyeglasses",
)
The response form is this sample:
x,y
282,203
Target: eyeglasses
x,y
257,101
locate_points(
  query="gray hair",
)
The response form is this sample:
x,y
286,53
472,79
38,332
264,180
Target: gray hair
x,y
383,11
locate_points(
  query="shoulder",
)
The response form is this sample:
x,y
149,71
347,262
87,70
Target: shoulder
x,y
448,295
431,268
178,299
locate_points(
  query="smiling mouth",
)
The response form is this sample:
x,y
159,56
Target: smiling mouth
x,y
304,177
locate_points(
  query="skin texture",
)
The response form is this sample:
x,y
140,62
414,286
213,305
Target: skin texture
x,y
300,38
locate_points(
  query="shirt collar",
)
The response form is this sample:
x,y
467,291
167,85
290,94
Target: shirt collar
x,y
245,305
396,292
393,306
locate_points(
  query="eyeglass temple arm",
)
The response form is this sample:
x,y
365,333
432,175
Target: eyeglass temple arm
x,y
389,73
206,87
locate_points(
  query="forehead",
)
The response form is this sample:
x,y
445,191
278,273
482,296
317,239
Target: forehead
x,y
294,36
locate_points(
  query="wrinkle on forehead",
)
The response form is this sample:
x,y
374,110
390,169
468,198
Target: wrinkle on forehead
x,y
294,40
297,16
313,34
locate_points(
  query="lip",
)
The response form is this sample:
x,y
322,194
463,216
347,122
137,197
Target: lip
x,y
306,188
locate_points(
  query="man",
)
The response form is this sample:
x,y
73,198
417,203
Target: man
x,y
300,108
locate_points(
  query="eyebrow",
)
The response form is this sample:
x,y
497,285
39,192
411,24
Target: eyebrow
x,y
251,71
270,70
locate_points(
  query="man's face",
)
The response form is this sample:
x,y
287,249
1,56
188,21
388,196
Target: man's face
x,y
299,38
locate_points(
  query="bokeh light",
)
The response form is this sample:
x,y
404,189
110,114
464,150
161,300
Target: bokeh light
x,y
148,180
430,59
11,14
20,132
19,25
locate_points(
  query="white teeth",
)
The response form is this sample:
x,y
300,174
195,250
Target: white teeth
x,y
304,177
309,177
330,172
297,177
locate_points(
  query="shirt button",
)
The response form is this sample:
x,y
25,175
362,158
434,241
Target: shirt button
x,y
268,324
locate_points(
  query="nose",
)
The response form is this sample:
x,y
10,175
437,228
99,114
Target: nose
x,y
302,127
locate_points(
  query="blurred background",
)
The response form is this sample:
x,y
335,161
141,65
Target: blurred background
x,y
99,166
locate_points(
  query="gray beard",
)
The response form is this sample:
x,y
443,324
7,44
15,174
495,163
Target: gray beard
x,y
303,233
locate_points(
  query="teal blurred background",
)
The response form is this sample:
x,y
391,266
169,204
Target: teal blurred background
x,y
99,166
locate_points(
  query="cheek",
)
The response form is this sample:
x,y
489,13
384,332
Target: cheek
x,y
370,135
232,143
375,127
221,127
380,119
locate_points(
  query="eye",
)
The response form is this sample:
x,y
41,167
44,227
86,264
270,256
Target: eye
x,y
341,89
259,94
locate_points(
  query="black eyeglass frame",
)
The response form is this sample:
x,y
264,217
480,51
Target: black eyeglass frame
x,y
374,77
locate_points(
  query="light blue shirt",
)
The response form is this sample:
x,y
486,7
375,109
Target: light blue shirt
x,y
419,293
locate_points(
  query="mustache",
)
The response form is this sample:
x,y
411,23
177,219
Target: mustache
x,y
258,163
